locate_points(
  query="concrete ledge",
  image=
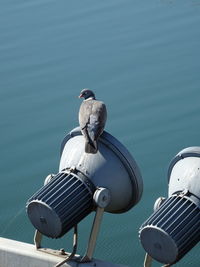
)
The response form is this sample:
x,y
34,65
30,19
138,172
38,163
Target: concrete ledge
x,y
19,254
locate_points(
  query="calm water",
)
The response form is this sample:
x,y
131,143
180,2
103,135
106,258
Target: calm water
x,y
141,57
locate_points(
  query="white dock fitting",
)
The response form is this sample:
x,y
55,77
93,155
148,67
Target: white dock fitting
x,y
18,254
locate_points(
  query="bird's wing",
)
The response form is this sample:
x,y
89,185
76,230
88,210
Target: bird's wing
x,y
98,118
84,114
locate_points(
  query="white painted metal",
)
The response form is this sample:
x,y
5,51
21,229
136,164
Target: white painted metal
x,y
18,254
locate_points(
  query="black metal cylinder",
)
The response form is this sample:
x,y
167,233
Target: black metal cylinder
x,y
172,230
61,204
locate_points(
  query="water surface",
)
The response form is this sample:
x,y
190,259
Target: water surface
x,y
140,57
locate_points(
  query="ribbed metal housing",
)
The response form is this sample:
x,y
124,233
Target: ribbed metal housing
x,y
172,230
60,204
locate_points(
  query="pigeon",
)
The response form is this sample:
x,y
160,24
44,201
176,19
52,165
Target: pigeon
x,y
92,119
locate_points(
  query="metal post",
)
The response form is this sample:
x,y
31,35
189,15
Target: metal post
x,y
37,239
93,235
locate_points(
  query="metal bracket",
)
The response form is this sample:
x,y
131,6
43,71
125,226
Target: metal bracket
x,y
67,256
37,239
185,192
102,199
159,201
148,261
93,235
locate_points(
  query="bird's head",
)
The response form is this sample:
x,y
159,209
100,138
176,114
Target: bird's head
x,y
86,93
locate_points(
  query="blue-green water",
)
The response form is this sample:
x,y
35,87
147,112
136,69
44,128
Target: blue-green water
x,y
141,58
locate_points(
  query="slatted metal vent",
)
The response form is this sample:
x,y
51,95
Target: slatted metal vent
x,y
61,204
172,230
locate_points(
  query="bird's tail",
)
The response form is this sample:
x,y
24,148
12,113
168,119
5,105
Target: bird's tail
x,y
91,147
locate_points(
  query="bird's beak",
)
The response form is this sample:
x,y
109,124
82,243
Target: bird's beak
x,y
80,96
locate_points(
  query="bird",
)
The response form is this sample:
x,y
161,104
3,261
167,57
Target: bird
x,y
92,119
